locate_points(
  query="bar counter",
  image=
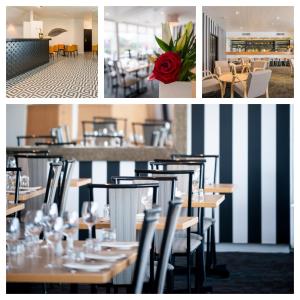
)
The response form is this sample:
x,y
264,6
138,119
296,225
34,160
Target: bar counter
x,y
23,55
86,153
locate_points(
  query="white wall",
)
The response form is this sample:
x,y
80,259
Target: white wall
x,y
14,31
95,32
16,119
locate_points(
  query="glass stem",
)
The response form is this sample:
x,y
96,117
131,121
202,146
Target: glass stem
x,y
70,242
90,231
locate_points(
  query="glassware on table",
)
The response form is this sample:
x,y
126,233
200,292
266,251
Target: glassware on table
x,y
89,213
33,221
50,213
71,224
108,235
195,181
106,212
146,200
55,235
12,235
24,181
11,162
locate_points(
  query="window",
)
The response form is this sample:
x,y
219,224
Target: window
x,y
110,40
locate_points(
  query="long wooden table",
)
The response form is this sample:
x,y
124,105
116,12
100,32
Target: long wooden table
x,y
32,270
182,223
13,208
26,196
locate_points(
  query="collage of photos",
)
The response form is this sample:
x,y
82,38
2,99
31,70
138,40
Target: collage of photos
x,y
177,192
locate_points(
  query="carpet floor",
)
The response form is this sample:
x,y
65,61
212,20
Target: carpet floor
x,y
281,85
250,273
62,77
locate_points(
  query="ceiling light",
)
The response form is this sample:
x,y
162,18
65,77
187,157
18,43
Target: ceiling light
x,y
162,13
277,18
237,12
241,27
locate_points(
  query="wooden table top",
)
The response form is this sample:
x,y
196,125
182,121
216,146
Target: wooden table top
x,y
210,201
136,68
223,188
33,269
13,208
182,223
78,182
26,196
228,77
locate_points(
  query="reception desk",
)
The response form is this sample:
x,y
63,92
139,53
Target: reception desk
x,y
23,55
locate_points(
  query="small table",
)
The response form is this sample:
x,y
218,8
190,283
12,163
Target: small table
x,y
209,201
228,78
32,270
24,196
13,208
221,188
78,182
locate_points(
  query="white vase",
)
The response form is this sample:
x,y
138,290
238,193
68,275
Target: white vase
x,y
178,89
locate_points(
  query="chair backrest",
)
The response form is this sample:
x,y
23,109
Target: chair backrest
x,y
221,66
52,182
260,64
33,139
155,134
15,172
68,166
148,229
211,165
257,83
124,201
166,245
36,167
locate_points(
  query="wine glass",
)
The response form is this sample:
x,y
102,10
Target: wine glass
x,y
89,215
55,235
50,214
33,221
147,200
71,223
195,181
12,235
106,212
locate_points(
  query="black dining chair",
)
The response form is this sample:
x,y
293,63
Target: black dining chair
x,y
166,245
146,238
193,237
64,184
165,194
211,256
124,201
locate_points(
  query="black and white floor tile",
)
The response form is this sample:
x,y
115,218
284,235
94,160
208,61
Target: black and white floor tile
x,y
62,77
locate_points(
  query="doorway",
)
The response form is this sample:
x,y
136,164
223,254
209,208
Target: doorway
x,y
87,40
213,51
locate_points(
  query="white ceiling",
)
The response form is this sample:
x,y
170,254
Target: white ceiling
x,y
253,18
19,14
149,15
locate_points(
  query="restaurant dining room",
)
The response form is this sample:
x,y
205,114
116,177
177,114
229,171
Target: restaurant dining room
x,y
149,199
51,51
248,52
150,51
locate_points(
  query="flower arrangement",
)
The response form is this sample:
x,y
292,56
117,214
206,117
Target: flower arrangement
x,y
179,57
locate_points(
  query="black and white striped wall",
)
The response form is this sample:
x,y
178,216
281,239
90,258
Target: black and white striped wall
x,y
255,144
210,27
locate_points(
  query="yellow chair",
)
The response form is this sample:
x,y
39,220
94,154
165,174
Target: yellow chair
x,y
95,49
51,52
61,48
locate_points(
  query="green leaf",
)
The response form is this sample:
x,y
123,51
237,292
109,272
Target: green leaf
x,y
163,46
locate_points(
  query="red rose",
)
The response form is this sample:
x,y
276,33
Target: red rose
x,y
167,67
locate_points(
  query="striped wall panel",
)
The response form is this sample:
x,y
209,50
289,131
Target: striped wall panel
x,y
254,146
210,27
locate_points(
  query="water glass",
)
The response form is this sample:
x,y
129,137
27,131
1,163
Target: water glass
x,y
12,235
71,223
89,213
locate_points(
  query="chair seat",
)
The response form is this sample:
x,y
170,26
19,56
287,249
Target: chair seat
x,y
210,85
207,222
239,88
147,275
180,242
129,81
